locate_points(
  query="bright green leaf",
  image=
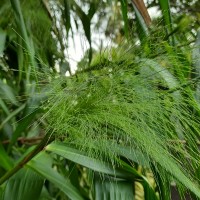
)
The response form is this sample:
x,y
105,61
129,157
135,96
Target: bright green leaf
x,y
67,15
25,184
5,160
124,6
143,30
91,163
113,189
8,93
42,165
2,40
11,115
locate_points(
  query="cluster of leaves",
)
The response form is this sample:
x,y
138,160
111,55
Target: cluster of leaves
x,y
131,111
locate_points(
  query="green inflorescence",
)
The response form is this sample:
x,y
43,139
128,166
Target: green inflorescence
x,y
123,102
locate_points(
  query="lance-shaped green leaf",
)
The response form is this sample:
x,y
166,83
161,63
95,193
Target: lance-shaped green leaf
x,y
86,22
91,163
165,7
2,40
5,160
24,34
8,93
67,16
157,70
143,30
124,6
114,189
11,115
25,184
133,155
42,165
22,125
119,177
150,194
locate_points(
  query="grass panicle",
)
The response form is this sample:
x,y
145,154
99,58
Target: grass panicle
x,y
127,103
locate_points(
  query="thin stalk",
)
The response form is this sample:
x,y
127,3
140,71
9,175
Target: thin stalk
x,y
23,140
45,141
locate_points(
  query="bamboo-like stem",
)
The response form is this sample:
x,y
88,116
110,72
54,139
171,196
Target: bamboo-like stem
x,y
45,141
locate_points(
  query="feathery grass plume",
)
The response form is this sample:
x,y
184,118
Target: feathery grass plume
x,y
123,101
132,105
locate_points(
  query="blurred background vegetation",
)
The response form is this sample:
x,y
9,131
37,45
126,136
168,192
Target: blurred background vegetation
x,y
34,51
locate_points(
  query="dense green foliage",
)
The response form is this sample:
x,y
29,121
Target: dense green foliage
x,y
125,125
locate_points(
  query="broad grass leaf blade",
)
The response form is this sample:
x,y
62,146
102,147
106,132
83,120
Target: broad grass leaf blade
x,y
74,174
4,107
45,195
8,93
114,189
67,16
42,165
5,160
11,115
19,19
2,40
22,125
157,70
150,193
25,184
1,192
136,155
164,73
124,6
164,5
86,25
85,21
143,30
24,35
94,5
91,163
163,183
